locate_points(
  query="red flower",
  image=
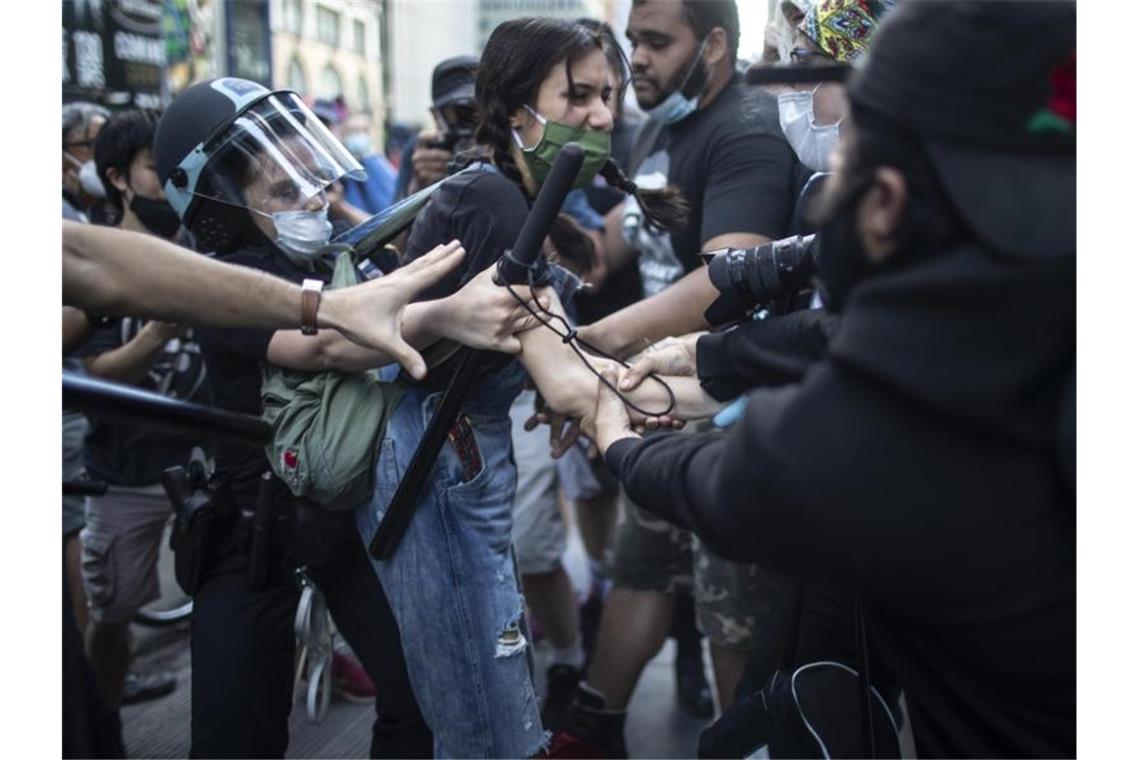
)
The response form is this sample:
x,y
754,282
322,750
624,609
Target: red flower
x,y
290,459
1063,80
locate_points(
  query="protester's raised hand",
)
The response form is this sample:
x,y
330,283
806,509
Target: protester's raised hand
x,y
485,315
370,314
671,356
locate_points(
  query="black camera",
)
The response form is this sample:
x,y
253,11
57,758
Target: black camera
x,y
456,122
772,275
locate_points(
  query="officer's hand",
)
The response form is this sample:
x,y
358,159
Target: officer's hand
x,y
370,314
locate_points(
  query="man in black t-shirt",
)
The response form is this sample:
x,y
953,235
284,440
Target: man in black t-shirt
x,y
715,140
722,146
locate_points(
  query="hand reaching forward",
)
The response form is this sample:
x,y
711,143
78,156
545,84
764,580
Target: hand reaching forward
x,y
370,313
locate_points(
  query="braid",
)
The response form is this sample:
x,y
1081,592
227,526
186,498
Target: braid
x,y
575,248
665,208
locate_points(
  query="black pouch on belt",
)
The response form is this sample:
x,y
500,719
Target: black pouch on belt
x,y
193,538
259,546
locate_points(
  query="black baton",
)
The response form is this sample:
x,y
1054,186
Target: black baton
x,y
514,269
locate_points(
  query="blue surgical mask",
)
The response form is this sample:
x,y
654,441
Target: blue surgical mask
x,y
359,145
676,107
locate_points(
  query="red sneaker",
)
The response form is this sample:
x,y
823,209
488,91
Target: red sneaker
x,y
566,744
350,680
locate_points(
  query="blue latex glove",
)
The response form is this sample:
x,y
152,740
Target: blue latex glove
x,y
730,414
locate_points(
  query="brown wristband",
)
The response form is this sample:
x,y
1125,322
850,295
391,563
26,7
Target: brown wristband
x,y
310,302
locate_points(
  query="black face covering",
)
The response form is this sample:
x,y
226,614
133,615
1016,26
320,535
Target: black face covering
x,y
158,216
842,261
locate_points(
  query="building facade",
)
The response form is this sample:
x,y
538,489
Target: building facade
x,y
421,33
330,49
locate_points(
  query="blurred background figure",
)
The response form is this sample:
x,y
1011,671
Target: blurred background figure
x,y
81,124
120,543
780,34
81,187
453,110
377,191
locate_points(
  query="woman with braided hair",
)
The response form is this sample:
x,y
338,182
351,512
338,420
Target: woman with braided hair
x,y
452,583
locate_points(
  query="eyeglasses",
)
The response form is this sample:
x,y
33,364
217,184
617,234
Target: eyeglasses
x,y
805,57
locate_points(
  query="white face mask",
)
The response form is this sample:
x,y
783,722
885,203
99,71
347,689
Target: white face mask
x,y
301,234
812,143
88,177
676,107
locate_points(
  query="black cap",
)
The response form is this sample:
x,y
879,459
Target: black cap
x,y
990,89
454,80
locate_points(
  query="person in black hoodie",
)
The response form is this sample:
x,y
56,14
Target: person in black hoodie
x,y
924,463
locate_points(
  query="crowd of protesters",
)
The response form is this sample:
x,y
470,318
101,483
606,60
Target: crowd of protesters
x,y
858,486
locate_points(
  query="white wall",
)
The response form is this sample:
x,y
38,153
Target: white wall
x,y
423,33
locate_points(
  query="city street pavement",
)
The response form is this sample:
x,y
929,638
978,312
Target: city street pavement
x,y
656,727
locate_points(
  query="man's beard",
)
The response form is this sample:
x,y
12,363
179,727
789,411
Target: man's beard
x,y
841,261
697,82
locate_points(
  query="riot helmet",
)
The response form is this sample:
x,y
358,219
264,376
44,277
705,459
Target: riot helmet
x,y
229,149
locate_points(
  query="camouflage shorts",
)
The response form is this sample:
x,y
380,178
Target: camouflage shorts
x,y
651,554
734,600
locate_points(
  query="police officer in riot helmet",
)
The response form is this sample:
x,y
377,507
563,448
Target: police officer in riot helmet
x,y
246,170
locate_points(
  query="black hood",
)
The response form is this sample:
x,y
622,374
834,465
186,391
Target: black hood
x,y
970,336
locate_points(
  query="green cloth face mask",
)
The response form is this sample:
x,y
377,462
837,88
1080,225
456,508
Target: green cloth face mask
x,y
595,144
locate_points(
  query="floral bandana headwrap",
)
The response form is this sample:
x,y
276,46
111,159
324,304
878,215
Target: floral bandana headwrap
x,y
842,28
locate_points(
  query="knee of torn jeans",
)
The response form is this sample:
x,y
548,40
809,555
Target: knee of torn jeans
x,y
511,640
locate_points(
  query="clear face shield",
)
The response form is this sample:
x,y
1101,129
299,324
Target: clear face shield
x,y
275,157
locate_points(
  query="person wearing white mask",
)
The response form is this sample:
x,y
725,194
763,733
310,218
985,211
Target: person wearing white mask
x,y
81,124
378,190
832,31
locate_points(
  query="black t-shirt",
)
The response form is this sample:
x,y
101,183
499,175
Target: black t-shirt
x,y
483,210
621,287
735,168
233,363
129,455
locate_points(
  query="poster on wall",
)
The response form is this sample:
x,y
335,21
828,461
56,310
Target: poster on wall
x,y
114,52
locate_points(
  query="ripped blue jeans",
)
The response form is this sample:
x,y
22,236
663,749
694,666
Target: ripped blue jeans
x,y
452,584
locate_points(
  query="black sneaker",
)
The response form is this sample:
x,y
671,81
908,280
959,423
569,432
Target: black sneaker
x,y
561,686
592,732
692,686
142,687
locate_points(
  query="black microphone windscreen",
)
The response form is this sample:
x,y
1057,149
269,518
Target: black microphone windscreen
x,y
528,246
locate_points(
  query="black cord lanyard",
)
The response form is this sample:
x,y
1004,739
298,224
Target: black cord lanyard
x,y
570,338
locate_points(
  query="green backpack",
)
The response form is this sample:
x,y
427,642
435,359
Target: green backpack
x,y
327,426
